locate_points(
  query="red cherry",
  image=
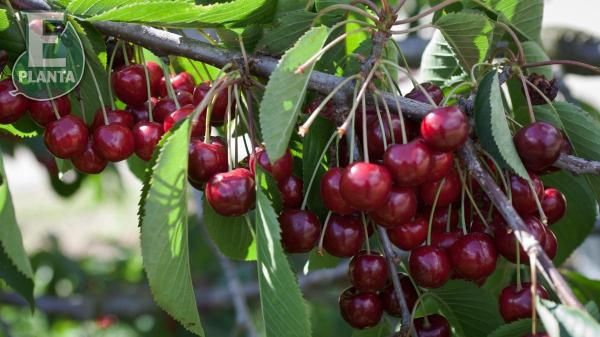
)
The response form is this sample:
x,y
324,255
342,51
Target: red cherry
x,y
515,302
292,192
445,240
409,163
66,137
400,207
550,244
330,192
156,74
114,117
43,112
429,266
279,169
89,161
167,106
445,129
389,300
328,112
440,218
432,90
344,235
365,186
554,205
299,230
145,136
449,193
219,108
129,84
523,199
539,145
360,310
376,132
181,82
368,272
231,193
114,142
11,107
506,240
474,256
409,235
198,125
140,112
441,165
435,326
206,159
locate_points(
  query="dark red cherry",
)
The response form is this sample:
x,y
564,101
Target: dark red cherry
x,y
474,256
539,145
390,301
231,193
429,266
344,235
409,235
11,107
506,240
167,106
206,159
445,129
554,205
515,302
368,272
441,165
89,161
299,230
114,117
440,218
66,137
378,131
550,244
435,326
432,90
114,142
156,74
330,192
365,186
445,240
198,125
140,112
292,192
43,111
400,207
181,82
523,199
328,112
219,108
279,169
129,84
409,163
360,310
449,193
145,136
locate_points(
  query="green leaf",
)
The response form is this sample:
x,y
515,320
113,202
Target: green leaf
x,y
535,53
316,261
562,321
518,328
492,126
137,166
284,310
592,309
164,229
13,130
15,269
231,234
523,16
11,38
438,63
200,71
314,144
587,288
285,31
469,36
500,278
383,329
285,92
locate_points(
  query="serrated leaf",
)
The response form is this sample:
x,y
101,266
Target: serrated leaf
x,y
438,63
15,269
492,126
286,30
518,328
500,278
137,166
535,53
12,130
314,144
382,329
285,92
593,310
523,16
562,321
164,229
284,310
316,261
231,234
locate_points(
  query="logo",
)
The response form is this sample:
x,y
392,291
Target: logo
x,y
54,62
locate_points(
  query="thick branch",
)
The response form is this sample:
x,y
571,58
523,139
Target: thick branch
x,y
577,165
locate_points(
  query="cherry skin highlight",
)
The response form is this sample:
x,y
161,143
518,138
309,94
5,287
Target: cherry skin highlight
x,y
292,192
445,129
554,205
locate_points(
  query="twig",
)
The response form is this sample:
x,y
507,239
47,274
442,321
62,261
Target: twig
x,y
577,165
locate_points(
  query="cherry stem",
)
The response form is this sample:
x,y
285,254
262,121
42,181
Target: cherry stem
x,y
322,236
541,93
169,85
532,263
342,129
365,141
81,105
449,218
109,71
461,175
462,213
427,12
394,86
367,3
316,169
125,56
366,232
498,169
528,98
563,62
147,78
346,7
104,114
411,30
538,204
228,130
437,195
518,256
250,109
521,53
207,128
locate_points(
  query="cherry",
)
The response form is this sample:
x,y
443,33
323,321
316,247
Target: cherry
x,y
554,205
368,272
114,142
129,84
429,266
328,111
206,159
11,107
43,112
445,129
156,74
409,235
89,161
145,136
515,301
449,193
550,244
279,169
344,235
390,301
114,117
181,82
432,90
231,193
365,186
441,165
400,207
167,106
140,112
299,230
376,132
409,163
198,125
435,326
440,218
330,192
66,137
219,108
445,240
291,189
474,256
360,310
523,199
539,145
506,240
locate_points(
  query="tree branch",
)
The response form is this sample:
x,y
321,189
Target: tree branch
x,y
577,165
